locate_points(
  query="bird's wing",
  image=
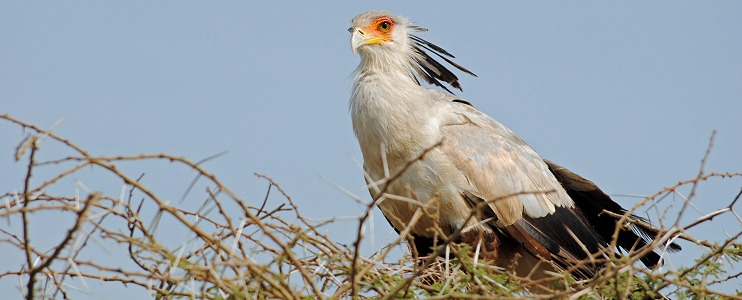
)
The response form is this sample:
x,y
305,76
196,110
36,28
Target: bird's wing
x,y
500,167
529,203
593,202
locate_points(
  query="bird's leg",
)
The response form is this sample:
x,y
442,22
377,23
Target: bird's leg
x,y
489,243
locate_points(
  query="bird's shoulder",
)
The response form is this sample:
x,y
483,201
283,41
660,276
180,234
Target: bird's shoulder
x,y
459,116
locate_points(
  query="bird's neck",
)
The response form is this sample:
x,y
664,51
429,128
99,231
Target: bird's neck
x,y
381,60
388,107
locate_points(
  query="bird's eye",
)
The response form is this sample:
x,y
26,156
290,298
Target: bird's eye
x,y
384,26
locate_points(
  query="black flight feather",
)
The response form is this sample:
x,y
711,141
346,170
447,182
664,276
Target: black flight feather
x,y
593,202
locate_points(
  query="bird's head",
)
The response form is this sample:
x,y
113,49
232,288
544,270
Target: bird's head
x,y
374,29
383,38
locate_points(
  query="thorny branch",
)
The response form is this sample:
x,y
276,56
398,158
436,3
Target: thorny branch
x,y
265,248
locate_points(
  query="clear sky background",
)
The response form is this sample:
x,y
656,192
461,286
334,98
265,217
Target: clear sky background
x,y
626,94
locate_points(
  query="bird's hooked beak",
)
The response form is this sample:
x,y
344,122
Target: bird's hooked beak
x,y
359,37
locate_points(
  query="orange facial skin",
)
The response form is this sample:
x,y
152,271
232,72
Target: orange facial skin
x,y
379,30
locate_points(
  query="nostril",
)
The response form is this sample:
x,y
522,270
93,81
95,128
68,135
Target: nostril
x,y
350,29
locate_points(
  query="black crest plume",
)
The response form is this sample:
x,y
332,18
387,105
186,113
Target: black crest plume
x,y
431,70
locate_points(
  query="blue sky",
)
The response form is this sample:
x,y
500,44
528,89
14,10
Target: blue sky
x,y
626,94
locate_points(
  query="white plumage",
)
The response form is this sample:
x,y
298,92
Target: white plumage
x,y
469,158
